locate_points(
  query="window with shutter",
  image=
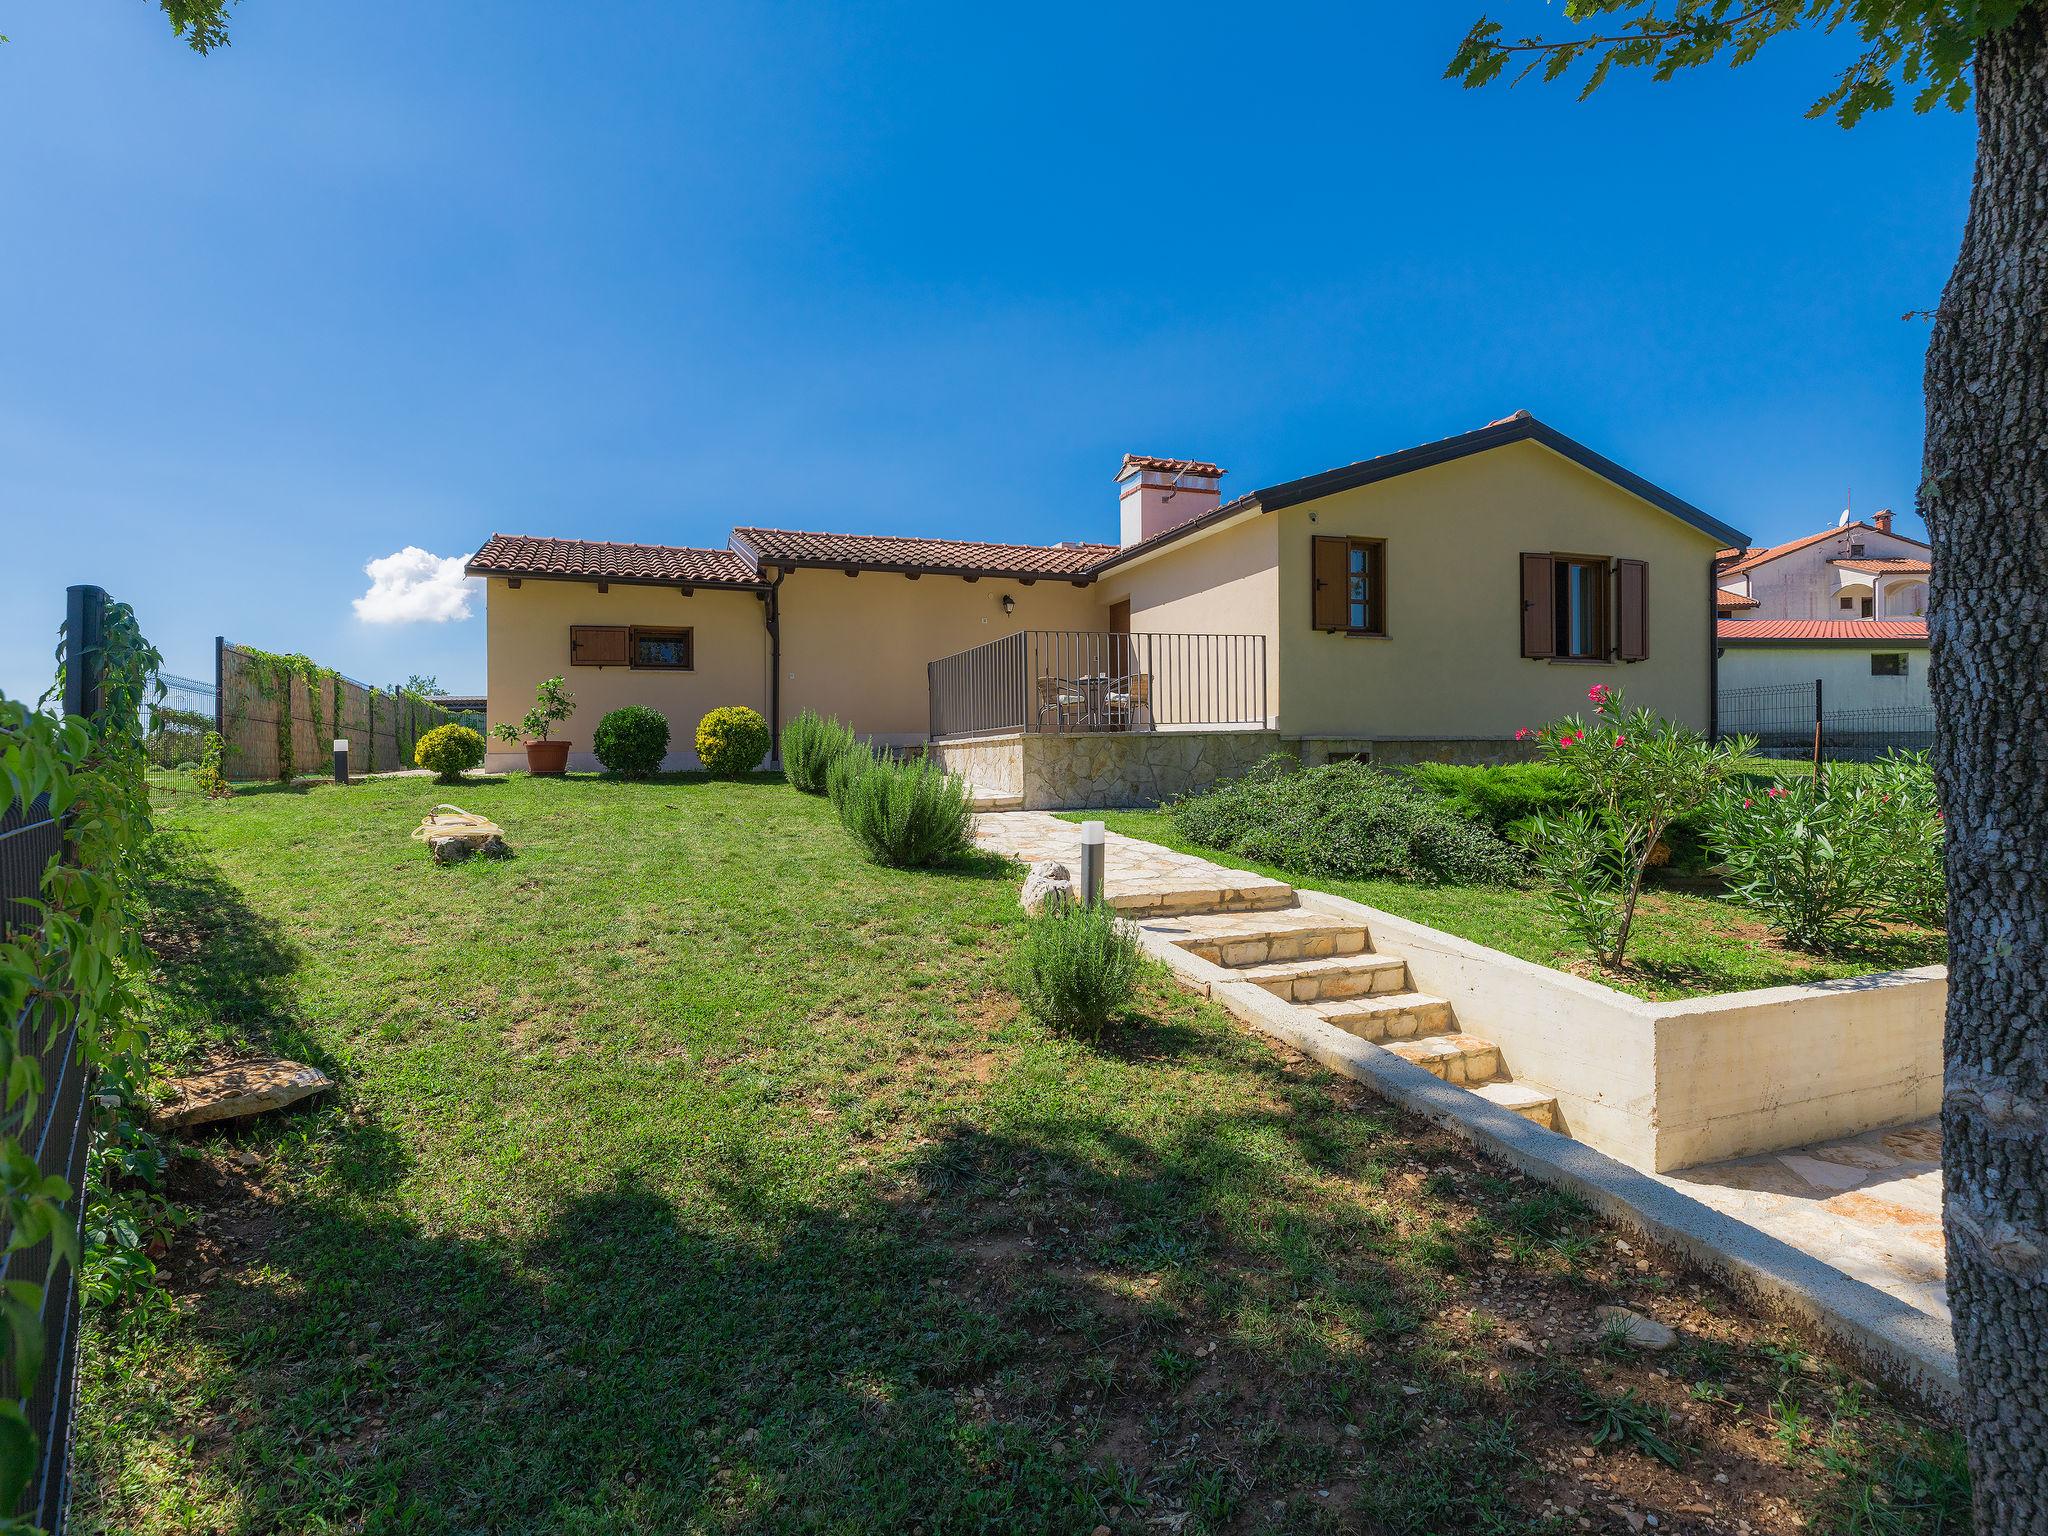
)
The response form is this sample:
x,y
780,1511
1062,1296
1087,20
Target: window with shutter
x,y
597,645
1632,610
1350,585
1539,606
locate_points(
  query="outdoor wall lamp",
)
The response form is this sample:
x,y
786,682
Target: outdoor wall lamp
x,y
1009,605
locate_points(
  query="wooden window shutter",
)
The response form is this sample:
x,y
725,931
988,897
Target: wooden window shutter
x,y
1632,610
1330,566
1539,618
598,645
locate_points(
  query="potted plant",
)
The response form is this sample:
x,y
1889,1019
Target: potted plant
x,y
552,705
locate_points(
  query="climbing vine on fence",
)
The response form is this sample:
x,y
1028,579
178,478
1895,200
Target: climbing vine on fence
x,y
405,714
84,965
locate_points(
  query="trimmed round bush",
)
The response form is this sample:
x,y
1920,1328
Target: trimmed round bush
x,y
809,744
450,751
631,742
732,741
1077,967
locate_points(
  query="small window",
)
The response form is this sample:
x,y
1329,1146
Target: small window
x,y
662,650
1350,585
1579,606
1888,664
1866,607
1848,605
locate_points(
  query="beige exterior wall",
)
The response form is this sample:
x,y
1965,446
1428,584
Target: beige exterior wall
x,y
528,640
1222,583
857,647
1451,665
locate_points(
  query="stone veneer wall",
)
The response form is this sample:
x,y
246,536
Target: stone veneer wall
x,y
1083,771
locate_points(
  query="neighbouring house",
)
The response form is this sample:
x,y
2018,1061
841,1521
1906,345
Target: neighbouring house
x,y
1846,607
1426,603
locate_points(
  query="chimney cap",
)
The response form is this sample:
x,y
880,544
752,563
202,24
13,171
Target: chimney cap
x,y
1502,421
1135,463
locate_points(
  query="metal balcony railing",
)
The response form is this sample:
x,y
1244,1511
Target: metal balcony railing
x,y
1080,680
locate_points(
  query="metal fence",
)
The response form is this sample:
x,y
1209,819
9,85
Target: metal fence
x,y
1077,680
58,1135
1795,720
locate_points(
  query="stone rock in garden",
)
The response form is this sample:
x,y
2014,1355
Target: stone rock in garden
x,y
236,1089
494,847
1637,1330
1048,881
450,850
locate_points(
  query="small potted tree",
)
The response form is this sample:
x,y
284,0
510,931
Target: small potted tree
x,y
552,704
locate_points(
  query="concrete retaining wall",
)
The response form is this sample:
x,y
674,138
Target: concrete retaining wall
x,y
1668,1085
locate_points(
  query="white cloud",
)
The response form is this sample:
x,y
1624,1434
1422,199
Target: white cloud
x,y
413,587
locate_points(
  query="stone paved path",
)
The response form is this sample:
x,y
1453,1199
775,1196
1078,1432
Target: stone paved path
x,y
1135,874
1870,1205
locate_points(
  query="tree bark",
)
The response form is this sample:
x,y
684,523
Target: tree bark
x,y
1984,494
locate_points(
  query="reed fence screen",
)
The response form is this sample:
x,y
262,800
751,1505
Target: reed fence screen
x,y
280,716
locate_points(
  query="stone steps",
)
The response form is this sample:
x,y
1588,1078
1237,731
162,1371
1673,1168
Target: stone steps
x,y
1334,976
1530,1103
1239,939
1383,1016
1171,897
1462,1059
980,800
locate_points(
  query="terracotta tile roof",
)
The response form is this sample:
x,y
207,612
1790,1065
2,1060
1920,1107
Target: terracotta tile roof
x,y
1136,461
1748,559
1886,567
507,554
884,552
1874,631
1730,599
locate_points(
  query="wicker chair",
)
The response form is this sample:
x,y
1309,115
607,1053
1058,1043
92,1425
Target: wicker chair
x,y
1061,700
1129,704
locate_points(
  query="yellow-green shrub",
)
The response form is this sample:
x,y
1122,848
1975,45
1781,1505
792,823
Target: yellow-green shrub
x,y
450,751
732,741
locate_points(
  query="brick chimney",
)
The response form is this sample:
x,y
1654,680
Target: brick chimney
x,y
1883,520
1154,495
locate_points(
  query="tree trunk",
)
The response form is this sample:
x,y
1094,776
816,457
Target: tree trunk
x,y
1985,497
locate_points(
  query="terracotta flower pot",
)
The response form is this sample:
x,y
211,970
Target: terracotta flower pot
x,y
549,758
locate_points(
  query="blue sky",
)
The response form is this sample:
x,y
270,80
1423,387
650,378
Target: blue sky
x,y
385,275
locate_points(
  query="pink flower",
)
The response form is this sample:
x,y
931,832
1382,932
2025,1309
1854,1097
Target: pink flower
x,y
1620,740
1747,804
1522,734
1774,791
1571,738
1597,693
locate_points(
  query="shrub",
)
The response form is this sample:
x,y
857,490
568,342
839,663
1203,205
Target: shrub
x,y
450,751
732,741
552,704
1346,820
810,743
1825,858
1077,967
1632,775
843,770
211,781
631,741
1497,798
904,814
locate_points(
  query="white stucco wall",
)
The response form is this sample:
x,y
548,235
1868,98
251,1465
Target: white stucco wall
x,y
1844,672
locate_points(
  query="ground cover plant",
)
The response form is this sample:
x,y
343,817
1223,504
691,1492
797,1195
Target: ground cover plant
x,y
631,741
1349,821
1503,797
753,1202
1684,943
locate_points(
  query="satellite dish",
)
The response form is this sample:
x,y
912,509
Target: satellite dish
x,y
1843,520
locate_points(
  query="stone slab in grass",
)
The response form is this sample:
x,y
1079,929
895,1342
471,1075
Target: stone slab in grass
x,y
235,1090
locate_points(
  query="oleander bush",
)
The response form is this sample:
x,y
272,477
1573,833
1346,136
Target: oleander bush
x,y
904,815
450,751
810,744
732,740
1349,821
1077,968
632,741
1827,858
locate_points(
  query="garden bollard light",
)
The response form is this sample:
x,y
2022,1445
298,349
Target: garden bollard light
x,y
341,759
1093,838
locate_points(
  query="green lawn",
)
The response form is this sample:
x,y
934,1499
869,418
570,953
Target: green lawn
x,y
688,1174
1683,945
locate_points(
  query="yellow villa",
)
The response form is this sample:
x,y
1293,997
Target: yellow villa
x,y
1423,604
